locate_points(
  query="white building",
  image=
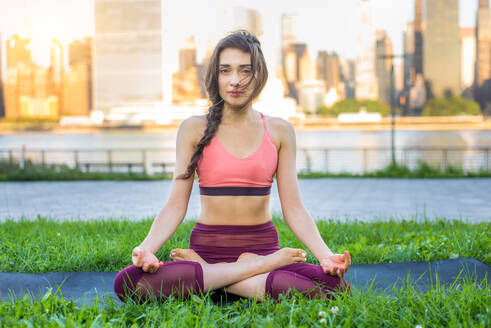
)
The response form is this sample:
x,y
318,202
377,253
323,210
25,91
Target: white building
x,y
468,56
127,54
366,85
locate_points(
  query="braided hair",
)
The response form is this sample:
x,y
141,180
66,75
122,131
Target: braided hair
x,y
247,42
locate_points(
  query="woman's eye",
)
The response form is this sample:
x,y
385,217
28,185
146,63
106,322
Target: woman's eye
x,y
246,71
223,71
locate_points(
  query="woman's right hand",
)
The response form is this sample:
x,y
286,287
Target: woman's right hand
x,y
145,260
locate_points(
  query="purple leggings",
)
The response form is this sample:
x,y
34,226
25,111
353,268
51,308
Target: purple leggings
x,y
225,243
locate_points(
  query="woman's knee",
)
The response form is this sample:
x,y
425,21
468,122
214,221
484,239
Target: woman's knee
x,y
126,280
174,277
332,283
314,273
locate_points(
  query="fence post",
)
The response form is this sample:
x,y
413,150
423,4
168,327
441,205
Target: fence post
x,y
307,159
364,160
75,154
487,159
326,161
144,161
110,160
43,158
11,156
444,159
22,157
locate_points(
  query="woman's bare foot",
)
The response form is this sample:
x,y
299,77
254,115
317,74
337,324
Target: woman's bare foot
x,y
247,257
278,259
179,254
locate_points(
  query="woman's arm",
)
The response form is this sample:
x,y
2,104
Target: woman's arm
x,y
295,214
173,212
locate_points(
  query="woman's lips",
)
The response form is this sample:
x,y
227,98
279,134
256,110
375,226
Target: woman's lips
x,y
235,94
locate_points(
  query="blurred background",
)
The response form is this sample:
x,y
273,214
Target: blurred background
x,y
94,83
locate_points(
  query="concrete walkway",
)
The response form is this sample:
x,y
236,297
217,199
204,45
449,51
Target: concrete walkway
x,y
340,198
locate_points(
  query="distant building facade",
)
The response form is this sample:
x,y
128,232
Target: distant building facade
x,y
468,57
383,65
442,51
366,80
2,104
127,49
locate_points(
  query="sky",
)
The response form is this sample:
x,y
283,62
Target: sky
x,y
322,24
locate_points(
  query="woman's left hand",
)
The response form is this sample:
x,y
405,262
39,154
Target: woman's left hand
x,y
336,264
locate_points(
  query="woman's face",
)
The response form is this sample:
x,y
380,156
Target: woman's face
x,y
234,72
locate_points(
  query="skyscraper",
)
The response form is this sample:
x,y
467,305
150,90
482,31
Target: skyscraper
x,y
482,84
418,37
187,55
408,45
383,65
18,51
366,80
80,59
290,55
19,82
483,43
348,77
441,52
288,30
295,53
55,76
2,106
328,69
468,56
127,53
185,82
77,82
248,19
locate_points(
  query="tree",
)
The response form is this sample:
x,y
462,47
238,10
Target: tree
x,y
353,106
346,106
325,111
451,106
376,106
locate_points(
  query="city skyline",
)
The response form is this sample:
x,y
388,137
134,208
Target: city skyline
x,y
81,15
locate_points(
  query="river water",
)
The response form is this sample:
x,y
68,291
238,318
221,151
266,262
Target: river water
x,y
317,160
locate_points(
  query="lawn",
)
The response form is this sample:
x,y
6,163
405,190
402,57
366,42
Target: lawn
x,y
105,245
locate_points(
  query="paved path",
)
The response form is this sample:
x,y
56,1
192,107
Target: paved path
x,y
339,198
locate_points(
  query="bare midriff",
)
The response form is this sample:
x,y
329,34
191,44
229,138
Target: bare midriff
x,y
234,210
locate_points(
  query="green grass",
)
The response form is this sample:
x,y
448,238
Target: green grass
x,y
10,171
464,306
105,245
44,245
422,170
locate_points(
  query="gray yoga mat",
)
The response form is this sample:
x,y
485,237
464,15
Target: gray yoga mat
x,y
83,287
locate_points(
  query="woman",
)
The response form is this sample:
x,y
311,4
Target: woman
x,y
235,151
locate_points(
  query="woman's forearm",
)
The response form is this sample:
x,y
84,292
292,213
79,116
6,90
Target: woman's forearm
x,y
304,227
163,227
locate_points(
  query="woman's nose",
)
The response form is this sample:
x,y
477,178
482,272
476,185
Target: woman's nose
x,y
235,79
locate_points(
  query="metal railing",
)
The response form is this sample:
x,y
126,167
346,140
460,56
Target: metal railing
x,y
309,159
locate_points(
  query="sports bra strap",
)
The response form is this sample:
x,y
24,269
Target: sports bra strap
x,y
265,124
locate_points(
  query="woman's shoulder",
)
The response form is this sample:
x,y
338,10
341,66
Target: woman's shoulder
x,y
195,121
194,126
278,124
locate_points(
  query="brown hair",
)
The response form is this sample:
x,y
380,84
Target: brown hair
x,y
247,42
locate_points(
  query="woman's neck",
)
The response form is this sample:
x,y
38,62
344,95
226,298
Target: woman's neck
x,y
238,116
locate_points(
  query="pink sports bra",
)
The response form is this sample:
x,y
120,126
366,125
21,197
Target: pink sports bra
x,y
222,174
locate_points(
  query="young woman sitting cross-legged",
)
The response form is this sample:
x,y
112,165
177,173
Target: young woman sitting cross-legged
x,y
235,151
